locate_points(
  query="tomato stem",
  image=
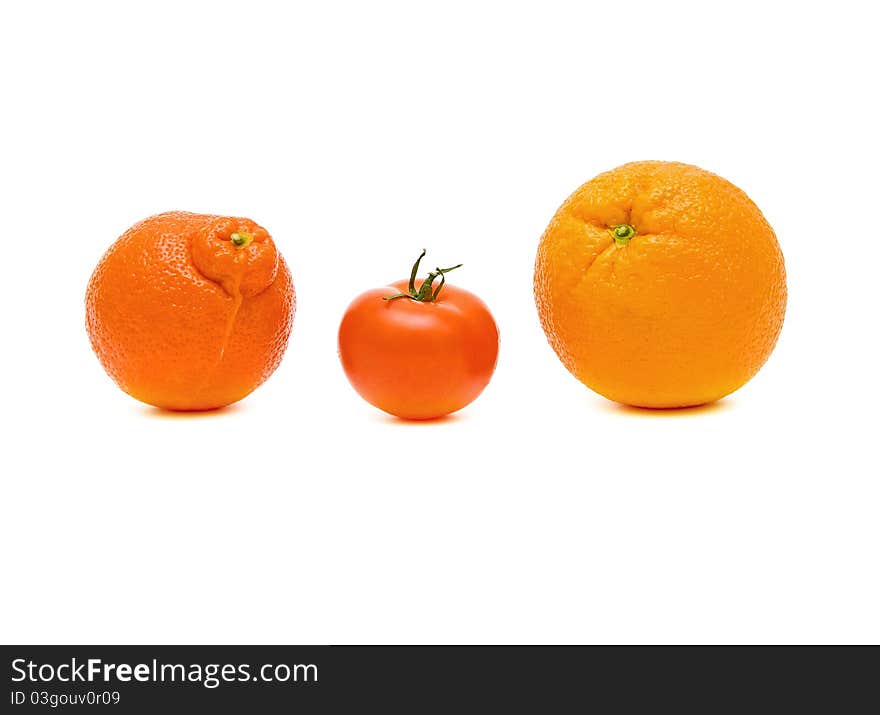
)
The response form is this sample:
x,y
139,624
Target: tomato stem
x,y
414,272
426,292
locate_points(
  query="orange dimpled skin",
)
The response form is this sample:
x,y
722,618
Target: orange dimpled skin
x,y
190,311
660,284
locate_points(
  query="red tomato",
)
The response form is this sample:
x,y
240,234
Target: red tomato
x,y
418,352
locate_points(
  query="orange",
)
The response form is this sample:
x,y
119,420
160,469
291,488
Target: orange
x,y
189,311
660,284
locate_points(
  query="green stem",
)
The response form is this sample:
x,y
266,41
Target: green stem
x,y
241,239
437,289
414,272
426,292
623,234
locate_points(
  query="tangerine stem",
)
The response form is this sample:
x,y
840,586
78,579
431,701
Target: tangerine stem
x,y
623,234
241,239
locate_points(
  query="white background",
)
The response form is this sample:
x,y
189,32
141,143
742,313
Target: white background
x,y
357,133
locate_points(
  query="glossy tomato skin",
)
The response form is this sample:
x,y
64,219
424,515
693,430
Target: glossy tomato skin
x,y
417,360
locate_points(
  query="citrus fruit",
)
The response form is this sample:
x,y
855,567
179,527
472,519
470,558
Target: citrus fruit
x,y
660,284
190,311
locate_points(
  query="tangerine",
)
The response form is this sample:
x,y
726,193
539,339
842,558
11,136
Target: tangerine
x,y
190,311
